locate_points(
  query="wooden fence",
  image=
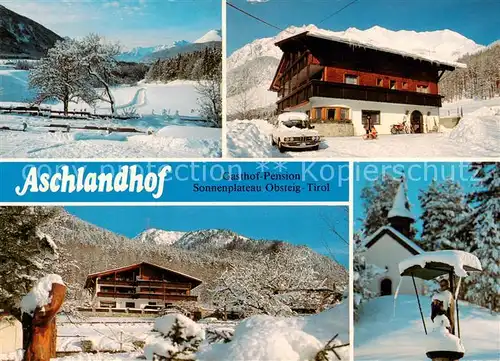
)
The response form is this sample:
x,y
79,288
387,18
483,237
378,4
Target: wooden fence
x,y
59,114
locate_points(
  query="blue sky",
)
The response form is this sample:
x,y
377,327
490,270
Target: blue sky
x,y
132,22
418,176
309,226
478,20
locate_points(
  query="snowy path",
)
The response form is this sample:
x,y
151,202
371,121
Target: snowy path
x,y
139,100
394,334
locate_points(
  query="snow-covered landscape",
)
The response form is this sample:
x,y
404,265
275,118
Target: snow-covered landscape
x,y
113,101
251,105
166,111
386,323
427,281
256,338
246,299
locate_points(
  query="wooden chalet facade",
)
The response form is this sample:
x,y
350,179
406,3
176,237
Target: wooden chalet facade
x,y
140,286
337,81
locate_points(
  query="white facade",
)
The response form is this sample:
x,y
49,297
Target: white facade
x,y
386,253
11,338
390,113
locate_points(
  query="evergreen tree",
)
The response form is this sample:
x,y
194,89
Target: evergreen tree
x,y
484,288
26,254
444,217
377,199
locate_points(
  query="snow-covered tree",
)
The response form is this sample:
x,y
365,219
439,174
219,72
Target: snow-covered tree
x,y
484,288
210,97
274,284
98,60
363,275
60,76
181,339
444,217
26,254
378,199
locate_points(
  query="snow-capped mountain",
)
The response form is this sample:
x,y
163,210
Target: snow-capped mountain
x,y
211,239
212,38
212,35
158,237
22,37
137,54
445,45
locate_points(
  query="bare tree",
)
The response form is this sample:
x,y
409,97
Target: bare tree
x,y
210,100
60,76
98,59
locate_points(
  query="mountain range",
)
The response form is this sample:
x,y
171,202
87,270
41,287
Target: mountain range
x,y
212,38
21,37
259,59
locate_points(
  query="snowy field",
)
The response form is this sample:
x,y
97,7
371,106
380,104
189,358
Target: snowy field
x,y
168,111
112,334
477,135
387,332
255,338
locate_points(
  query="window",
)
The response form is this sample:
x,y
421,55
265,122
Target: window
x,y
422,89
374,115
130,304
393,84
152,303
344,114
405,85
107,304
330,114
351,79
380,82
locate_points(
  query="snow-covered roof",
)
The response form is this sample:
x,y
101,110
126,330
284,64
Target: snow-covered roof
x,y
429,265
103,273
406,242
328,35
399,206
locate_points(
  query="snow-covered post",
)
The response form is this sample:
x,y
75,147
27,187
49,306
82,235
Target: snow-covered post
x,y
40,307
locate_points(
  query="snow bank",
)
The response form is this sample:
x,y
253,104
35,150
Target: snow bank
x,y
456,259
283,339
250,139
442,340
189,328
381,335
39,296
480,128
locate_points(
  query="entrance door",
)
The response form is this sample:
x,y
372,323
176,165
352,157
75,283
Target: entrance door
x,y
386,287
417,122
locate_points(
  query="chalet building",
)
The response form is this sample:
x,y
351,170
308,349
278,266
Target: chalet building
x,y
140,286
391,244
337,81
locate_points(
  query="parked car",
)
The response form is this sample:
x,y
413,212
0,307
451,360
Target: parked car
x,y
294,131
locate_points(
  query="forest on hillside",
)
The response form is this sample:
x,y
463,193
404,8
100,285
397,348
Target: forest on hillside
x,y
196,65
481,78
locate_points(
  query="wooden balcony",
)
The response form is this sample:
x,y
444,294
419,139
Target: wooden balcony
x,y
146,283
149,296
318,88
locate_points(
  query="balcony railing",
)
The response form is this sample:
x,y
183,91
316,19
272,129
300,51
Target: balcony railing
x,y
149,296
318,88
145,283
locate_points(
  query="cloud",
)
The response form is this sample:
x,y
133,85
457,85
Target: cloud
x,y
257,1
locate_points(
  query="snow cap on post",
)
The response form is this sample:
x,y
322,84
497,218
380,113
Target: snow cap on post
x,y
430,265
401,207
